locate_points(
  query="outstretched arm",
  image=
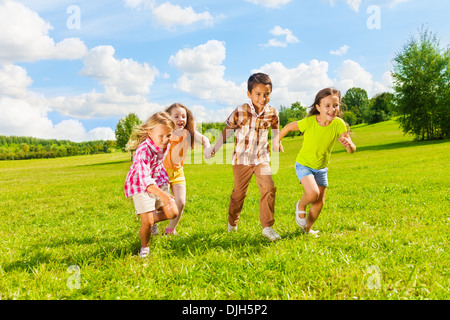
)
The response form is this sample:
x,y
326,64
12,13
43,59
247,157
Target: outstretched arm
x,y
277,146
226,133
201,138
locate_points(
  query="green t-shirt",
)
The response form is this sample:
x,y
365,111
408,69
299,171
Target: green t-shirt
x,y
318,141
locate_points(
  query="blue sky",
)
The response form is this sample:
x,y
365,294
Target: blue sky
x,y
71,69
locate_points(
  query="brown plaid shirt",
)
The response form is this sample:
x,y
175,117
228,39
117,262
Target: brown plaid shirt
x,y
251,133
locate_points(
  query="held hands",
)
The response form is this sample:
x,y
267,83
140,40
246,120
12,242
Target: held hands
x,y
209,152
278,147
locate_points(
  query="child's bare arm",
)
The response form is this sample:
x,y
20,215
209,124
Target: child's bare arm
x,y
347,142
201,138
164,196
277,146
226,133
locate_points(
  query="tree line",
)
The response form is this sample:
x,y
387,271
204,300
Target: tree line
x,y
20,148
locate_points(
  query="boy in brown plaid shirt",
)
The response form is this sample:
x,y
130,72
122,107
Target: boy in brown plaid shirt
x,y
251,155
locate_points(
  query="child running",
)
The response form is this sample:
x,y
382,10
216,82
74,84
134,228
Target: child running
x,y
147,180
321,128
179,143
251,155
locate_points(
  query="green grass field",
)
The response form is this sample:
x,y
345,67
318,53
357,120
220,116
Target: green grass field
x,y
384,230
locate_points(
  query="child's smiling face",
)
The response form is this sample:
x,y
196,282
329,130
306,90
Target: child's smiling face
x,y
260,95
329,107
160,135
179,117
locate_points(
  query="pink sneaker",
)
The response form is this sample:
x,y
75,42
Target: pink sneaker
x,y
170,231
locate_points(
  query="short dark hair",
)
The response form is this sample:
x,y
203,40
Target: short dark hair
x,y
258,78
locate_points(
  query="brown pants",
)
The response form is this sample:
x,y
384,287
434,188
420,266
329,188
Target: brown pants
x,y
242,176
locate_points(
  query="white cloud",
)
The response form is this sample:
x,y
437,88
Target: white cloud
x,y
25,37
125,82
341,51
169,15
300,83
270,3
14,80
125,76
29,117
353,4
352,74
280,32
203,74
25,113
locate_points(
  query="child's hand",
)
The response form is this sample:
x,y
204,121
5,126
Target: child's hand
x,y
167,200
207,153
278,147
347,143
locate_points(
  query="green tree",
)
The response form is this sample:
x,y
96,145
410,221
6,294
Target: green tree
x,y
421,83
380,108
350,118
356,101
124,129
294,113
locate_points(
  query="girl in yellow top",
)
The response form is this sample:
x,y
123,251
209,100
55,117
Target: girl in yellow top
x,y
321,129
183,138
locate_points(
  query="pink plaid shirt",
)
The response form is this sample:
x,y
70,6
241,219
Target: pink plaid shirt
x,y
147,168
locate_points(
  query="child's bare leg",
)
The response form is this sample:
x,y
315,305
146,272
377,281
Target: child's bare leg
x,y
316,208
179,192
310,195
147,222
166,213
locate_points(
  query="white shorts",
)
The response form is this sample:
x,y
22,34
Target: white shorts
x,y
148,202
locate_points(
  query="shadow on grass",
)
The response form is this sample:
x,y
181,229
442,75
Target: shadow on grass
x,y
89,250
104,163
395,145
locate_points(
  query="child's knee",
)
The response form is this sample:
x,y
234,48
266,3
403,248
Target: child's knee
x,y
313,195
172,211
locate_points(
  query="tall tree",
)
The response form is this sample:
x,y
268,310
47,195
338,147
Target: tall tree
x,y
356,101
421,83
124,129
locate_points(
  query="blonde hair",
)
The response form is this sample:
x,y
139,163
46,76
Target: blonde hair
x,y
190,124
140,133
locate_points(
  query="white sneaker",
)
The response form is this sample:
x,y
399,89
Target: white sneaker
x,y
143,253
312,232
231,228
301,222
270,234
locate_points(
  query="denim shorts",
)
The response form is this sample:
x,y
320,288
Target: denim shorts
x,y
320,175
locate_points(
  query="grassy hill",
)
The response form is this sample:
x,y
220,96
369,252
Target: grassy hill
x,y
384,230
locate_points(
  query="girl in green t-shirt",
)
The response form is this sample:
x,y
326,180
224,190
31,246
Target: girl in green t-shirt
x,y
321,129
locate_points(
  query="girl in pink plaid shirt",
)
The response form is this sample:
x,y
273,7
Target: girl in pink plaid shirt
x,y
147,181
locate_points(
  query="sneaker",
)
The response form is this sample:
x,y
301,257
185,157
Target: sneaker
x,y
312,232
231,228
270,234
301,222
170,231
155,230
143,253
